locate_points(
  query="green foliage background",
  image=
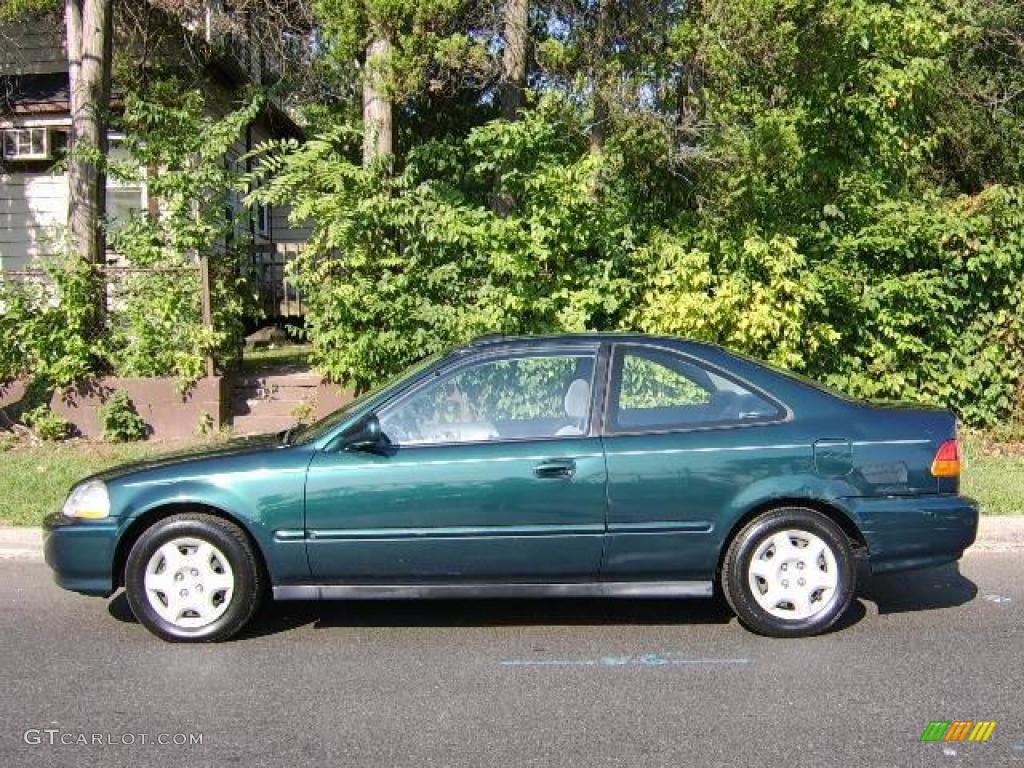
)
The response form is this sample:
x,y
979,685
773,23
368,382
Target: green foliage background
x,y
834,186
831,186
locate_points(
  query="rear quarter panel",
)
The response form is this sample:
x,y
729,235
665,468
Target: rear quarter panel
x,y
893,449
674,499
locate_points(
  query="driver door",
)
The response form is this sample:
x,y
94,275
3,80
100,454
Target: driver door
x,y
494,474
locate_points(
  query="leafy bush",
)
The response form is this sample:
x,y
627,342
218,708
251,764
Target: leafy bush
x,y
158,328
835,187
206,425
49,325
428,263
121,422
897,295
931,303
757,296
46,423
16,10
54,327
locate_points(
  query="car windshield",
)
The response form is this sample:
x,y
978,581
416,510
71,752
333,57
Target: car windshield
x,y
306,433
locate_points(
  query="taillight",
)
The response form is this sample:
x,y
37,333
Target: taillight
x,y
947,460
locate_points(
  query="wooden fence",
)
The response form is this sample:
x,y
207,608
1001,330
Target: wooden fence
x,y
266,265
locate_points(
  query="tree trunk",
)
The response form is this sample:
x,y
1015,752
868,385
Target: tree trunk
x,y
600,109
599,128
89,26
378,111
513,75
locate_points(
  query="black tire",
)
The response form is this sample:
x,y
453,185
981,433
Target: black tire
x,y
735,578
225,536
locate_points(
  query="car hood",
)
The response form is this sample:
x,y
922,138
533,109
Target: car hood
x,y
235,447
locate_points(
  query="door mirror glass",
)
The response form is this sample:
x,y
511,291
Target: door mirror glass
x,y
364,435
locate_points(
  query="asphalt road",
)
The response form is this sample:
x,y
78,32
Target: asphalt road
x,y
521,683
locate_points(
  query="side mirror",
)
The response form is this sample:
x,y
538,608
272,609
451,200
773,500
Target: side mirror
x,y
364,435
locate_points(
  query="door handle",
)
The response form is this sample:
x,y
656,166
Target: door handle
x,y
554,468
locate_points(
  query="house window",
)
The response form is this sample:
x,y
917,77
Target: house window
x,y
123,202
263,214
27,144
234,215
126,186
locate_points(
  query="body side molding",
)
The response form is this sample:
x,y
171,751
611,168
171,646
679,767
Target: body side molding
x,y
493,590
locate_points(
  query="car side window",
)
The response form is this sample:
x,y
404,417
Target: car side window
x,y
657,390
505,399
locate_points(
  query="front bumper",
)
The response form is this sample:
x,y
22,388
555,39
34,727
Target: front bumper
x,y
908,532
81,553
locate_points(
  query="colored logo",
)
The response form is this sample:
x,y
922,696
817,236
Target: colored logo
x,y
958,730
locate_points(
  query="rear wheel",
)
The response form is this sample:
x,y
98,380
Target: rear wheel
x,y
789,573
193,577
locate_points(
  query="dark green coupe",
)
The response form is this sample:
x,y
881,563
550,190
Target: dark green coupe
x,y
592,465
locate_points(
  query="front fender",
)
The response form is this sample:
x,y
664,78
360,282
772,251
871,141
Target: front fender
x,y
261,508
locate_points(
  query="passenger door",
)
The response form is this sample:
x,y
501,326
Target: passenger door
x,y
494,474
681,441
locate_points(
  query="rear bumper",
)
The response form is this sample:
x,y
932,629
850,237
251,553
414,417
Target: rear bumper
x,y
908,532
81,553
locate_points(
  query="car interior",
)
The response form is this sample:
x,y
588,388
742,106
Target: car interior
x,y
544,397
464,409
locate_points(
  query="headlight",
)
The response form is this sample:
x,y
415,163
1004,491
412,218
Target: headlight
x,y
88,501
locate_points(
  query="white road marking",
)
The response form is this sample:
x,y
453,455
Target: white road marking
x,y
998,599
642,660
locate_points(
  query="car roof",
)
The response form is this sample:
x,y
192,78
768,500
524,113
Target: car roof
x,y
559,339
776,382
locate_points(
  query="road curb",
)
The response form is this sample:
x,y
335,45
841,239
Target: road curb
x,y
995,534
1000,534
21,543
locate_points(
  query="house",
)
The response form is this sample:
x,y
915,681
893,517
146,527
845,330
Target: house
x,y
34,127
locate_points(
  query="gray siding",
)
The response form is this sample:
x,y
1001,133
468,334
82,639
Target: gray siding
x,y
281,231
33,211
34,48
284,232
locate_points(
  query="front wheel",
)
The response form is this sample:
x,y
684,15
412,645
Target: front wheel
x,y
193,578
789,573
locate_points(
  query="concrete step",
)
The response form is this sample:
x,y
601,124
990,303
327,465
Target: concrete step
x,y
253,399
290,379
268,407
267,402
271,390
